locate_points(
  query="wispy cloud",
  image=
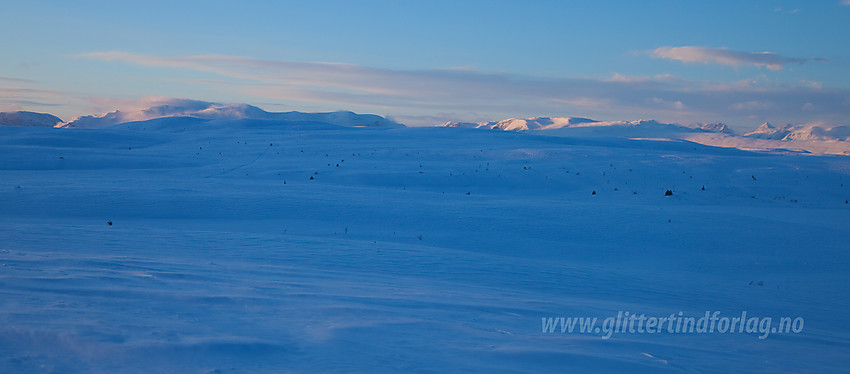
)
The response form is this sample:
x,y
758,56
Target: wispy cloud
x,y
419,94
791,11
22,98
15,80
752,105
725,56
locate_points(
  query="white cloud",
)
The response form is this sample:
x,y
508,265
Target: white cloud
x,y
677,104
812,84
725,56
792,11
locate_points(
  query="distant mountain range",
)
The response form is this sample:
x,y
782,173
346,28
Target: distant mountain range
x,y
193,109
808,132
517,124
811,138
765,131
207,110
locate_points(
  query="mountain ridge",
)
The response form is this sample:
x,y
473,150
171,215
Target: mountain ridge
x,y
807,138
814,138
28,119
217,111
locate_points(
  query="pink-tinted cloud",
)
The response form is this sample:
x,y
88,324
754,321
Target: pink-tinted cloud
x,y
421,93
725,56
15,80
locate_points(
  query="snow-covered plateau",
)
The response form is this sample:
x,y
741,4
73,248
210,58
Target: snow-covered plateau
x,y
199,239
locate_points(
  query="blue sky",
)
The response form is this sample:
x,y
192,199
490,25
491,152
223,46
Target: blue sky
x,y
739,62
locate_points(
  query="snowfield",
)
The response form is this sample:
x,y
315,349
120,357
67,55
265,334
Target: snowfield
x,y
221,244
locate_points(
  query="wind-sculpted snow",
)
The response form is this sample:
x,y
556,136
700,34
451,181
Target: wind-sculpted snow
x,y
229,245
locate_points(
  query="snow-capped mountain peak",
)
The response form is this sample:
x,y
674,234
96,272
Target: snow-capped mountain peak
x,y
768,131
524,124
715,127
803,132
817,139
539,123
